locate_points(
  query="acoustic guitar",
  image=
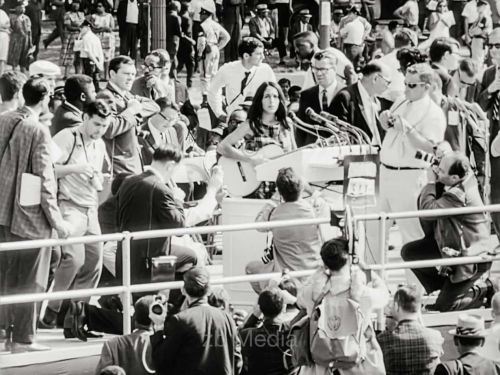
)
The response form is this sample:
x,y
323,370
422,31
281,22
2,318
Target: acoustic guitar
x,y
240,177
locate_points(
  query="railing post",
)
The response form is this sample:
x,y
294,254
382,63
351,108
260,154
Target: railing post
x,y
383,259
126,295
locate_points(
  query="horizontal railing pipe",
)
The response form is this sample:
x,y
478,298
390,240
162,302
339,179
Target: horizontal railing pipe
x,y
433,263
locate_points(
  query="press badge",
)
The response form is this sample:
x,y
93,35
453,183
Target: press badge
x,y
453,118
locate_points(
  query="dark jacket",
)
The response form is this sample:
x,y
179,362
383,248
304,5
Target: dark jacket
x,y
267,359
149,145
121,16
348,106
65,117
144,203
473,364
449,86
458,231
256,31
310,98
201,340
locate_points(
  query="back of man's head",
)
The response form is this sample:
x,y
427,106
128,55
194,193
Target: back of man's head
x,y
197,282
97,108
271,302
167,153
75,86
35,90
219,298
439,47
335,253
408,298
404,38
249,45
11,83
289,184
141,310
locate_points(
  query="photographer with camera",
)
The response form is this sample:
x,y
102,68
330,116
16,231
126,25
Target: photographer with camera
x,y
79,173
199,340
452,185
413,123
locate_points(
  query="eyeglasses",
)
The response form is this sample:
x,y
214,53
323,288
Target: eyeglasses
x,y
413,85
151,67
321,70
494,45
386,80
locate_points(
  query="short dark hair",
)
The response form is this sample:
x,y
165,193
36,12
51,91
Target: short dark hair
x,y
283,81
219,298
75,86
409,298
271,302
469,341
35,90
112,370
167,153
371,68
393,25
165,103
469,67
440,46
335,253
294,89
98,107
141,310
402,39
11,83
289,184
116,62
460,166
197,282
249,45
162,54
410,56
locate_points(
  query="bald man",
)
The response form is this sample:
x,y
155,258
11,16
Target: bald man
x,y
452,185
358,105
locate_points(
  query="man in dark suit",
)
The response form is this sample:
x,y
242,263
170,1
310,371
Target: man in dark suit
x,y
489,100
444,59
454,186
201,339
25,148
263,28
319,97
34,12
300,24
465,78
358,104
78,90
156,83
132,24
233,23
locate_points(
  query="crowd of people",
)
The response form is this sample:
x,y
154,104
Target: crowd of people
x,y
100,155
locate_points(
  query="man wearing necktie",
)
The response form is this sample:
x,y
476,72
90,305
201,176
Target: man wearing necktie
x,y
358,105
320,96
489,100
414,123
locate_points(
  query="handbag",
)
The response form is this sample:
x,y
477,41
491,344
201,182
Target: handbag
x,y
162,267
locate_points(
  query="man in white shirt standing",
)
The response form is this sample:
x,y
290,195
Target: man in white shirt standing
x,y
79,173
91,53
212,39
413,123
239,78
353,31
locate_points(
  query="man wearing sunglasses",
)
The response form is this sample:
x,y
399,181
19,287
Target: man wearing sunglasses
x,y
466,80
413,123
444,59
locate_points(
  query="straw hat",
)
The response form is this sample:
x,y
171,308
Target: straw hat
x,y
469,325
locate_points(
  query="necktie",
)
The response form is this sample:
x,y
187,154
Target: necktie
x,y
244,82
324,101
496,106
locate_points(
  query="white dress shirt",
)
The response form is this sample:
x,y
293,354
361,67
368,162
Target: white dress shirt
x,y
132,12
230,76
370,109
353,32
342,63
426,117
212,31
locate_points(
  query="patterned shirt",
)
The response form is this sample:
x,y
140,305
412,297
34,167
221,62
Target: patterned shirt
x,y
411,348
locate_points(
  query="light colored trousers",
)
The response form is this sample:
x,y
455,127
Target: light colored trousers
x,y
81,264
210,66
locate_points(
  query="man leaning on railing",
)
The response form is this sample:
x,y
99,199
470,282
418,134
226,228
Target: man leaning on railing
x,y
452,185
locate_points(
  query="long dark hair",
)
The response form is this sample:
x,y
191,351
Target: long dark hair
x,y
255,110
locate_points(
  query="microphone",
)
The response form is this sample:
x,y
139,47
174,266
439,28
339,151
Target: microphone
x,y
304,126
315,117
359,133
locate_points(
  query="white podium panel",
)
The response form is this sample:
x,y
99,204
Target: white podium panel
x,y
242,247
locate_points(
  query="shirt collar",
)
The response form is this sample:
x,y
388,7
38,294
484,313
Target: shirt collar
x,y
362,90
71,106
330,90
116,88
155,172
33,113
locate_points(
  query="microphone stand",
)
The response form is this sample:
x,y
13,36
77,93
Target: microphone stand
x,y
349,127
306,128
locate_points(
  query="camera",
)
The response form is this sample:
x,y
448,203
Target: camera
x,y
268,255
157,306
425,156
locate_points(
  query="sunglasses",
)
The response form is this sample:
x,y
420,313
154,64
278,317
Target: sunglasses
x,y
494,45
413,85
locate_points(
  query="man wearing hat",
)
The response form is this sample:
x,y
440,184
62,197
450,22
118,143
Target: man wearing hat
x,y
468,337
200,339
301,23
212,38
263,28
47,70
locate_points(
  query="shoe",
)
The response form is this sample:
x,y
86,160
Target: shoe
x,y
43,324
23,348
78,310
493,287
45,44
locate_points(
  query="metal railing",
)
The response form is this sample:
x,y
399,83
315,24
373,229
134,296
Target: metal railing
x,y
126,289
